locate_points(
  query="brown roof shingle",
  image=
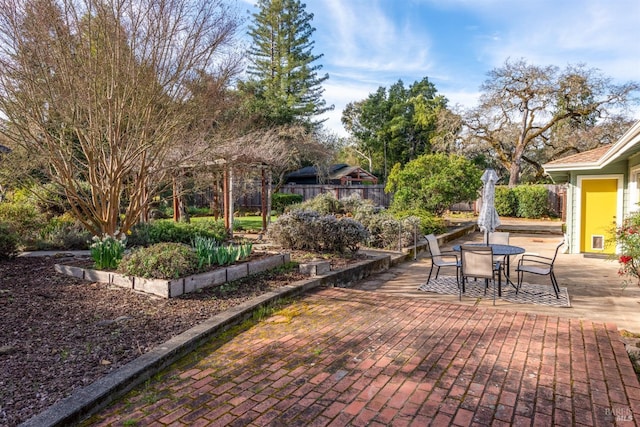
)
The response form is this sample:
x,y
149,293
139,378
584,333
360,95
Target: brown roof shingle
x,y
590,156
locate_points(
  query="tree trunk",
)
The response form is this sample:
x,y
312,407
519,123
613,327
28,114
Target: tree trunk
x,y
514,173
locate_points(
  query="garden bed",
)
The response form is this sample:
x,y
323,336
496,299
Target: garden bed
x,y
61,333
176,287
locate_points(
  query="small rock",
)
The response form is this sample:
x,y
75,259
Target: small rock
x,y
7,349
105,322
62,255
105,362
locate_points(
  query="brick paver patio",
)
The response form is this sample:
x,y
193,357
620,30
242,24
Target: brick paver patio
x,y
344,357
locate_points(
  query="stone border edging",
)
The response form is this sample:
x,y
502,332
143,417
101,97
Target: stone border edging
x,y
167,288
86,401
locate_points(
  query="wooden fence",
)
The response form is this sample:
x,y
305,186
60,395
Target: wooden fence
x,y
371,192
251,200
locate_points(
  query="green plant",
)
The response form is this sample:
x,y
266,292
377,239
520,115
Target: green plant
x,y
533,201
161,261
210,252
427,222
8,242
324,204
433,182
24,218
628,240
353,204
506,201
350,233
145,234
107,250
205,250
279,201
307,229
198,211
63,232
385,231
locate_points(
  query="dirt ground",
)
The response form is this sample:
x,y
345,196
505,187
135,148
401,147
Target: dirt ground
x,y
59,333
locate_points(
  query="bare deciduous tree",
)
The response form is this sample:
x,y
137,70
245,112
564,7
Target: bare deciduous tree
x,y
101,90
522,104
281,149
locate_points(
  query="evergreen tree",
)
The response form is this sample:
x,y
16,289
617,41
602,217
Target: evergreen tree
x,y
395,125
284,82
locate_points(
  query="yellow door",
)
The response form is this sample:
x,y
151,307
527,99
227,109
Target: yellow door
x,y
598,215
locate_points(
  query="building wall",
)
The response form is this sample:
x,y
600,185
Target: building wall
x,y
573,210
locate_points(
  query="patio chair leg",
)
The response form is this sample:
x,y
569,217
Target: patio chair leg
x,y
429,277
494,291
437,272
554,282
520,277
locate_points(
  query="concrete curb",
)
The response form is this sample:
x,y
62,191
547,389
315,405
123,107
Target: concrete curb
x,y
86,401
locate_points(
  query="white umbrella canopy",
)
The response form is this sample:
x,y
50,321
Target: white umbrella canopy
x,y
488,220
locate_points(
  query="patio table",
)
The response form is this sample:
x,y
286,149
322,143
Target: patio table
x,y
499,250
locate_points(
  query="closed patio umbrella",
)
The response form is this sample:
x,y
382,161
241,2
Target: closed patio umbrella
x,y
488,219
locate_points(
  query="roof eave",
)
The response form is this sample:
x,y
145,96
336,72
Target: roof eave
x,y
572,167
626,141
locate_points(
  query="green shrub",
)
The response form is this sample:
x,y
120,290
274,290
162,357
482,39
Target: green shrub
x,y
337,235
506,201
433,182
196,211
354,204
309,230
427,222
49,199
24,219
145,234
279,201
8,242
386,232
160,261
63,232
350,234
298,229
628,242
324,204
532,201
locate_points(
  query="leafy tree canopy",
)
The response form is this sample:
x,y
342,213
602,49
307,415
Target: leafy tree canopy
x,y
434,182
395,125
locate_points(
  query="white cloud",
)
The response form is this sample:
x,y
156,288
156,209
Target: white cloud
x,y
372,43
362,36
600,34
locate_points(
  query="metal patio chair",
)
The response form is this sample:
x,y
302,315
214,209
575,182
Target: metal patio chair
x,y
477,262
441,259
540,265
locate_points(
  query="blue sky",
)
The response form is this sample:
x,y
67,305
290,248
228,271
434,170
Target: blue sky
x,y
372,43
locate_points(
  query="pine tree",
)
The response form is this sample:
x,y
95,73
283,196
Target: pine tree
x,y
284,81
